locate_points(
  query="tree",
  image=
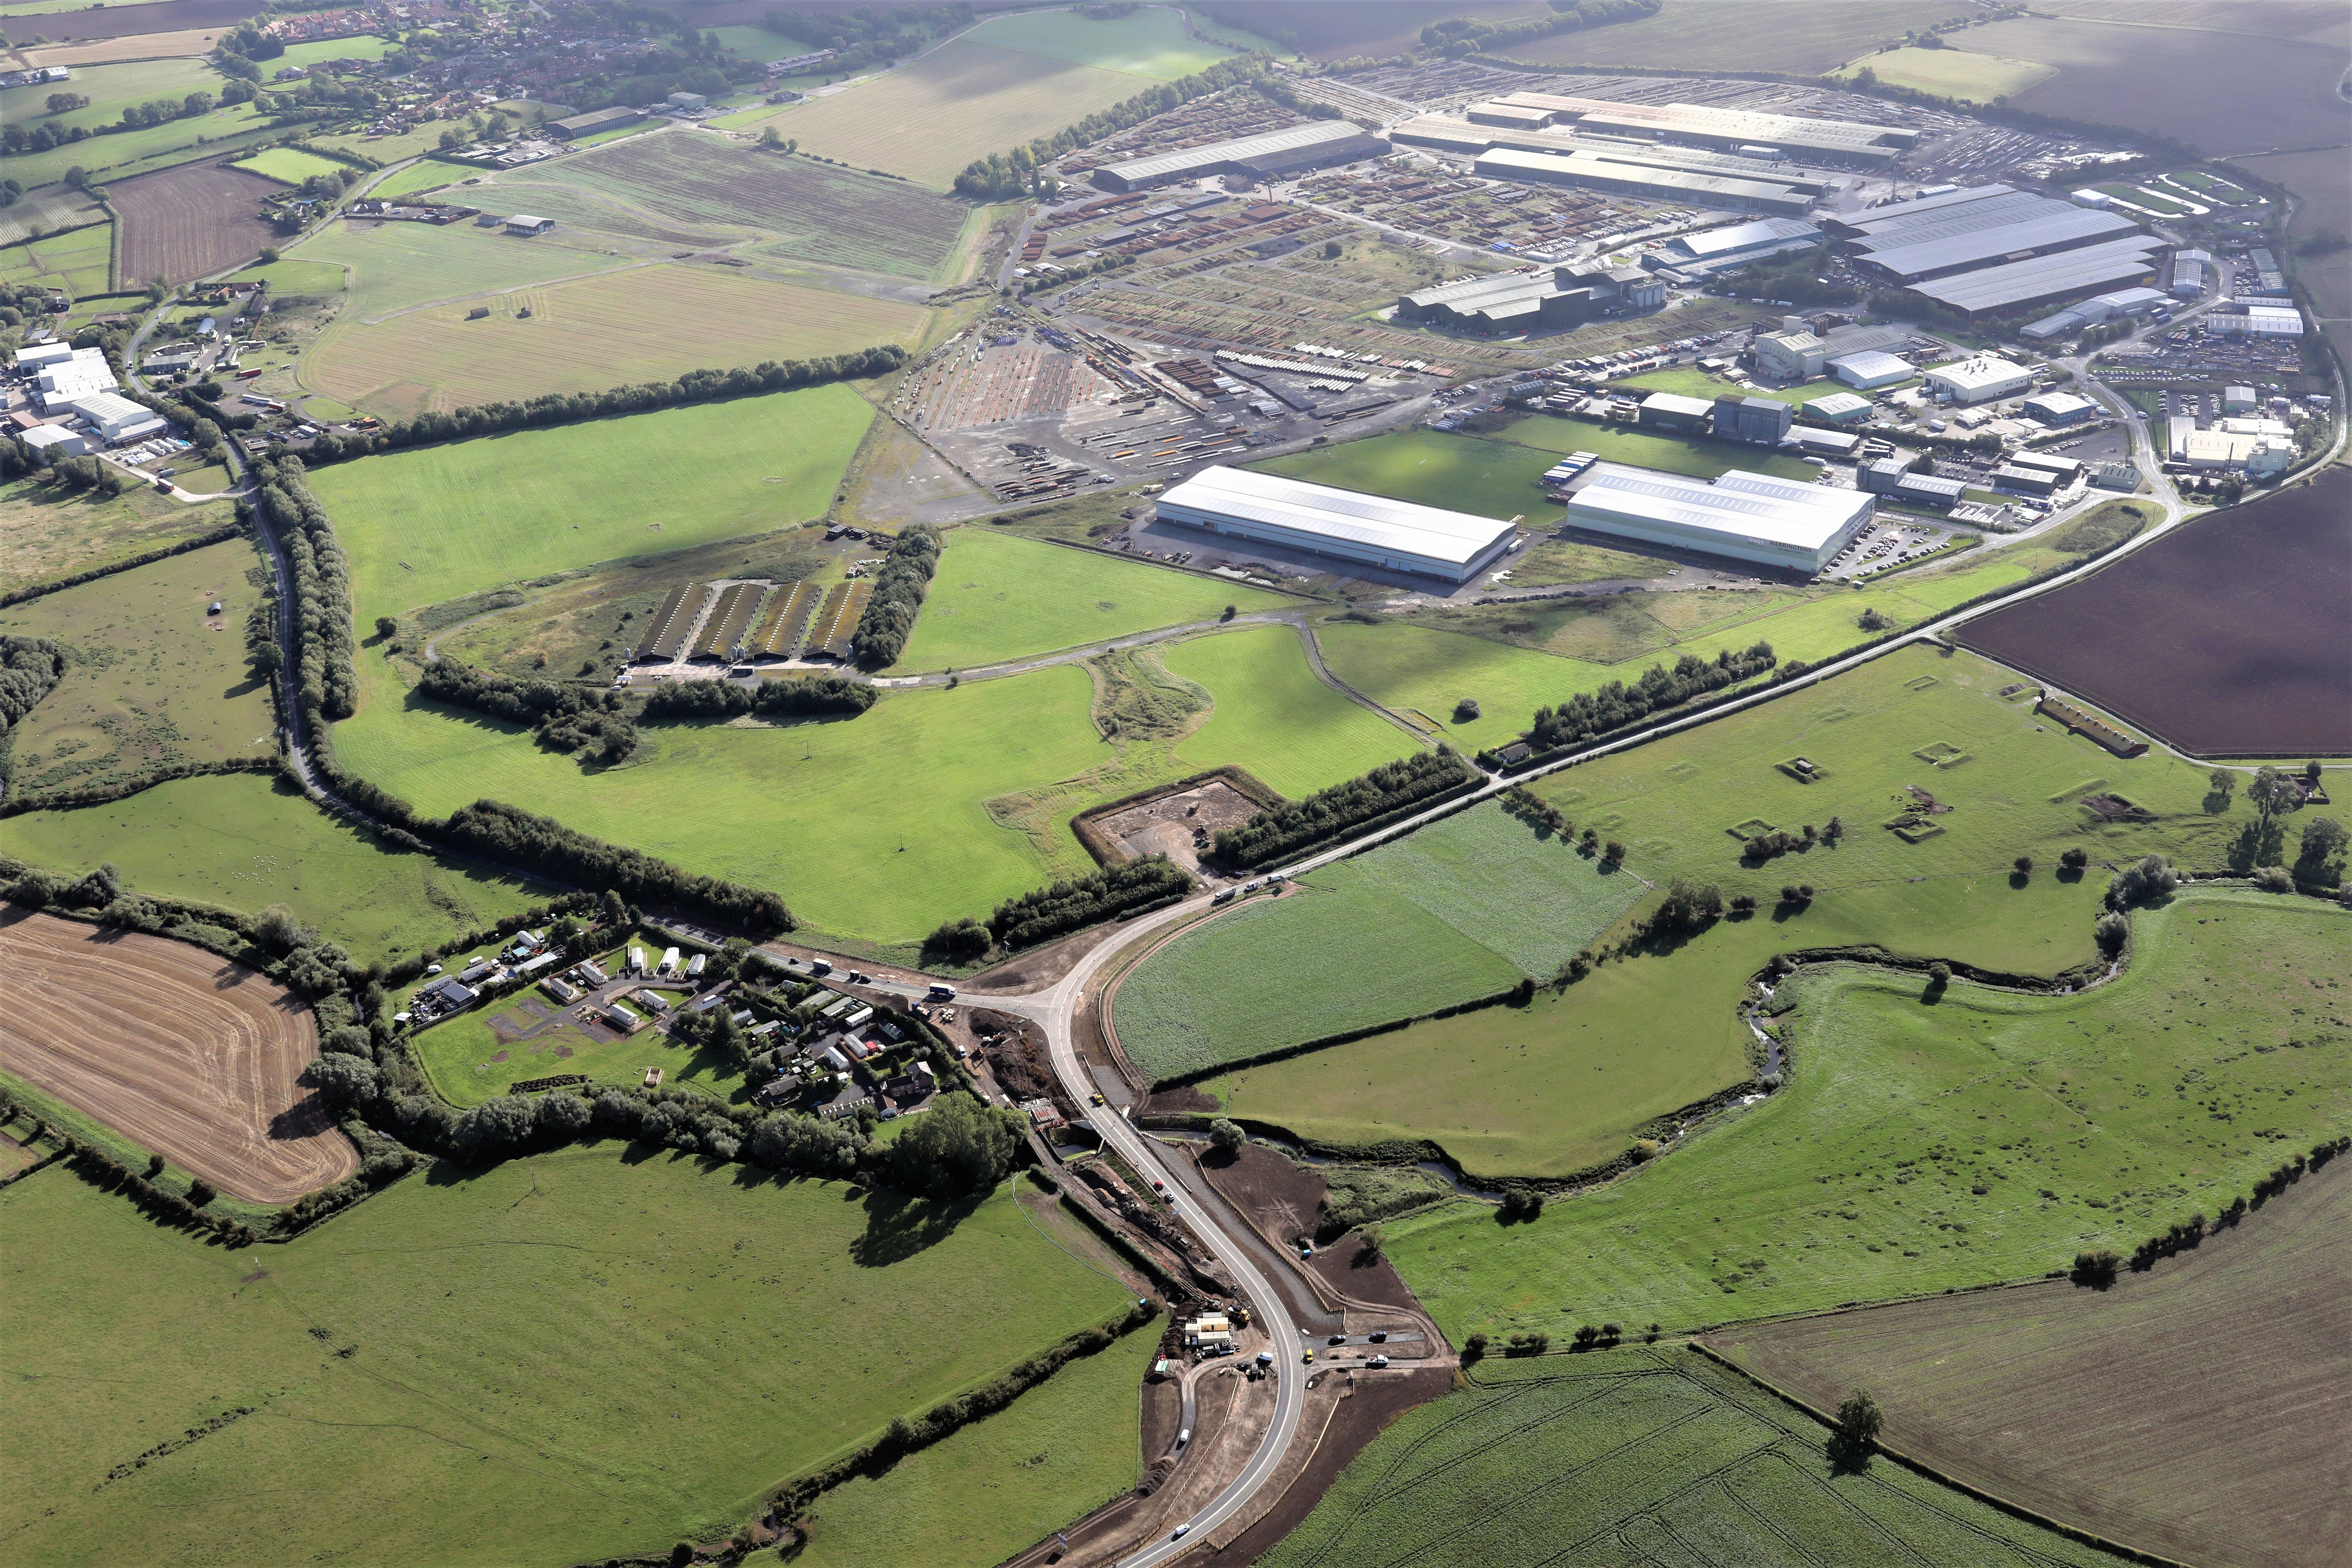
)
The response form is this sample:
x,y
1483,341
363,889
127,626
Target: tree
x,y
2024,864
1371,1246
771,140
2221,781
1614,853
154,1166
1225,1136
2324,839
958,1147
200,1193
386,626
1833,832
1688,906
1940,975
2275,880
280,929
2112,931
1856,1433
2150,878
2095,1270
1330,246
2075,859
2273,793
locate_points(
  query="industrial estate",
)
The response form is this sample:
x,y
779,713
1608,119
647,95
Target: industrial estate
x,y
969,786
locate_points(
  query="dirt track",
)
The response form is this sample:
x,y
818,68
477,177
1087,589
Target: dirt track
x,y
185,1053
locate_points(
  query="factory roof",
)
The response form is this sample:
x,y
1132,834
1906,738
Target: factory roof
x,y
1243,148
1871,363
103,407
1739,236
1982,370
1836,404
1375,521
1675,402
1895,215
1789,513
2046,277
1932,249
1739,125
1608,172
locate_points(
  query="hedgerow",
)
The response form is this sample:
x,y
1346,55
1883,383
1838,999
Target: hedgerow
x,y
1295,824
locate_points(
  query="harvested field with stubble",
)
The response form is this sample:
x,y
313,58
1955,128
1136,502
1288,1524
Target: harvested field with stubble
x,y
185,1053
2226,638
2205,1400
190,223
1801,36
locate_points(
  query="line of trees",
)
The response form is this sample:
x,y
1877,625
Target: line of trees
x,y
324,680
30,668
899,588
816,697
563,717
1066,906
15,139
1458,35
1001,177
1616,705
1295,824
571,407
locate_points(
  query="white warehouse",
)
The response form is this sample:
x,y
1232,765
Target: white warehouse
x,y
1395,535
1979,380
1788,523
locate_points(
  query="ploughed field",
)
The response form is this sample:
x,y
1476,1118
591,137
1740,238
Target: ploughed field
x,y
189,222
2229,638
187,1054
2205,1399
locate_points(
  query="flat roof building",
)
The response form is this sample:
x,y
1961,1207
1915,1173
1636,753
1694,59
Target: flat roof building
x,y
1626,175
1761,421
1347,525
590,124
2236,319
1796,356
2039,281
1669,411
1838,408
2060,407
39,354
1707,125
1815,443
2032,481
1739,243
55,440
1892,476
524,223
1316,145
116,417
1870,369
1979,380
1747,516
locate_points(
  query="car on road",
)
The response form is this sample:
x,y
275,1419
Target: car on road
x,y
1094,1099
1181,1533
1158,1185
1378,1361
1310,1355
1337,1339
1379,1336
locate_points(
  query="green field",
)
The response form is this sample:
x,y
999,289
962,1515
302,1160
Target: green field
x,y
802,210
291,166
1928,1141
110,89
149,685
394,266
1461,909
76,261
649,1340
1640,1456
246,842
362,47
994,1489
436,522
1275,718
119,154
1954,73
468,1064
423,174
299,280
47,532
997,597
1499,476
1153,42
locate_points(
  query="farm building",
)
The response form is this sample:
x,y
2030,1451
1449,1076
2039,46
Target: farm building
x,y
1758,420
1747,516
1667,411
1892,476
1704,125
2238,400
523,223
1317,144
2060,407
1395,535
591,124
55,440
1979,380
1870,369
1838,408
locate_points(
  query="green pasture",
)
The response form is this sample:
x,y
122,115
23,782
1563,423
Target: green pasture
x,y
1460,909
1931,1139
997,597
1153,42
1688,381
14,8
1275,718
149,684
994,1489
1650,1451
76,261
1703,456
423,174
394,266
363,48
1807,37
468,1064
110,88
119,155
246,841
296,279
436,522
291,166
1954,73
48,532
652,1339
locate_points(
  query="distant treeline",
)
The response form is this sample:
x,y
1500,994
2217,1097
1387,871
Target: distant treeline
x,y
1458,35
572,408
1616,705
899,588
1295,824
867,36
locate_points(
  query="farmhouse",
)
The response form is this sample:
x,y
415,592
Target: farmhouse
x,y
1315,145
1395,535
1748,517
523,223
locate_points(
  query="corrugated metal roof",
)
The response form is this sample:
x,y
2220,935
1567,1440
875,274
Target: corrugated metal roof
x,y
1214,153
1623,174
1739,505
2079,271
1732,124
1894,214
1743,236
2059,226
1377,523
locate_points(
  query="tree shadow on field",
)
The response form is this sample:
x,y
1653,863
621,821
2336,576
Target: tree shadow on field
x,y
899,1227
1847,1457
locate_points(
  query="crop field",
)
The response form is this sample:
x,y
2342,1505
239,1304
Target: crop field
x,y
1806,37
1459,910
1499,477
51,210
75,261
994,1488
2246,657
193,1058
927,120
1154,42
997,596
433,524
2193,1438
47,532
189,223
155,681
1955,73
1649,1456
2322,204
291,166
121,21
839,217
1275,718
1934,1138
246,841
1373,28
439,1330
587,335
120,156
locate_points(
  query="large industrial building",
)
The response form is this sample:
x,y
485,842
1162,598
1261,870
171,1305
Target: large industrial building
x,y
1706,125
1347,525
2132,303
1756,518
2243,319
1979,380
2041,280
1541,300
1892,476
1737,244
1630,173
1317,144
1760,421
1994,249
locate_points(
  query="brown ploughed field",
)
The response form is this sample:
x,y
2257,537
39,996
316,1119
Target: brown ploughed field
x,y
2228,638
2198,1410
190,221
185,1053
